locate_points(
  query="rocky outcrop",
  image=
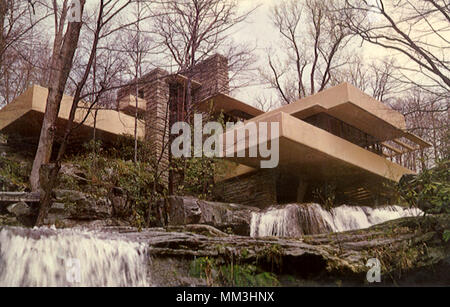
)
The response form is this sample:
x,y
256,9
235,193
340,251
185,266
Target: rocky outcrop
x,y
19,213
83,206
411,252
183,210
8,220
19,209
71,206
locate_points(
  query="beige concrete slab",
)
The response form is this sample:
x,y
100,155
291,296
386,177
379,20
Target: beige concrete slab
x,y
228,169
352,106
26,113
128,105
318,154
16,109
227,104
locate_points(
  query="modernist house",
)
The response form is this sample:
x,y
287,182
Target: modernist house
x,y
340,137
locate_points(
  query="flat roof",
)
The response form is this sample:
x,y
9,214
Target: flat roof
x,y
25,115
311,151
227,104
349,104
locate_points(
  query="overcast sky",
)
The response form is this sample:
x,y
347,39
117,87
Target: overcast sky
x,y
260,31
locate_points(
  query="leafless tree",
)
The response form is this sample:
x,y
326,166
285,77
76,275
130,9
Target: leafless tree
x,y
265,102
20,50
138,47
23,67
191,30
415,29
379,79
107,11
65,44
17,18
312,53
415,32
427,115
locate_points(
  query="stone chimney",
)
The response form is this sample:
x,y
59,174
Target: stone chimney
x,y
212,73
156,93
154,89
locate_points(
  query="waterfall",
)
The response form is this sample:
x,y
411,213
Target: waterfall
x,y
69,257
294,220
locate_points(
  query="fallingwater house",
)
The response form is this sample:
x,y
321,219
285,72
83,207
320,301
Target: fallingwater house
x,y
339,139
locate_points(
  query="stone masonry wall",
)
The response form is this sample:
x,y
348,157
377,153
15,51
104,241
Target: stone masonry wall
x,y
212,73
257,189
156,93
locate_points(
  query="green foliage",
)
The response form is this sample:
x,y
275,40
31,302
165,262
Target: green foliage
x,y
14,174
231,274
272,254
446,235
429,190
235,268
245,275
123,148
109,175
196,176
202,268
325,195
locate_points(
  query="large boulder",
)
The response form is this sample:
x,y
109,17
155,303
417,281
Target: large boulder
x,y
21,212
20,208
184,210
227,217
80,206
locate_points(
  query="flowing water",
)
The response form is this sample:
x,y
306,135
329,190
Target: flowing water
x,y
70,257
294,220
116,257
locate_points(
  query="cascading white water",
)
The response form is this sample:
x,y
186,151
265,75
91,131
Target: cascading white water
x,y
48,257
294,220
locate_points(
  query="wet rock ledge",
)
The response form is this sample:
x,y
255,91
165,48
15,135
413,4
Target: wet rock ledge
x,y
183,210
411,251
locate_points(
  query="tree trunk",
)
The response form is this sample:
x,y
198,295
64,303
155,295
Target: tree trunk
x,y
3,8
48,174
62,63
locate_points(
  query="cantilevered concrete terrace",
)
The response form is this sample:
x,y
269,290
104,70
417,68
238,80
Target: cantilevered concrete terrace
x,y
340,135
25,114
